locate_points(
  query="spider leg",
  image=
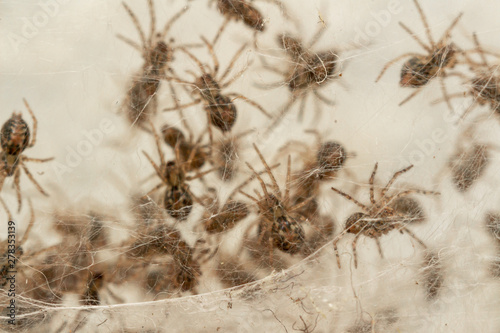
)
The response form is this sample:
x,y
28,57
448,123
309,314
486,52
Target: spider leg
x,y
414,237
184,106
30,176
446,34
445,93
221,29
413,94
323,98
152,27
348,197
283,111
414,36
335,241
30,225
302,107
393,179
262,184
249,101
404,193
248,180
230,66
354,253
133,44
426,24
268,170
393,61
158,145
155,166
316,36
17,180
287,183
377,240
181,115
212,54
372,179
37,160
196,60
135,21
9,215
169,24
154,189
35,124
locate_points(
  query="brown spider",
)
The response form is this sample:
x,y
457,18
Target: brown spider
x,y
420,69
157,54
175,137
469,161
15,138
321,164
237,10
308,72
225,155
178,200
221,111
379,218
484,85
279,223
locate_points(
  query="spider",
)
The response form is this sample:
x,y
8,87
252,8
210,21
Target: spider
x,y
221,111
243,10
178,200
15,138
308,72
174,137
420,69
379,218
157,54
279,223
225,155
484,86
321,163
469,161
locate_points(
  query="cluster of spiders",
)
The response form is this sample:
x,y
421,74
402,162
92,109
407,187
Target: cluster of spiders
x,y
286,218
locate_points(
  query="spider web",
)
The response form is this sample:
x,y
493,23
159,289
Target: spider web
x,y
64,58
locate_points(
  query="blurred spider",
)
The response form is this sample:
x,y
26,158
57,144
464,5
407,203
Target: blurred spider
x,y
279,223
484,86
321,164
308,72
157,54
420,69
379,218
221,111
174,137
469,161
225,155
177,200
15,138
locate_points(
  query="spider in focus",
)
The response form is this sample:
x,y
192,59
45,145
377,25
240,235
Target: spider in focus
x,y
243,10
418,70
157,54
279,223
379,218
177,200
221,111
308,72
15,138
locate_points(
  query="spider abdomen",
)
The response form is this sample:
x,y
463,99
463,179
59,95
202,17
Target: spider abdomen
x,y
288,234
15,135
178,202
